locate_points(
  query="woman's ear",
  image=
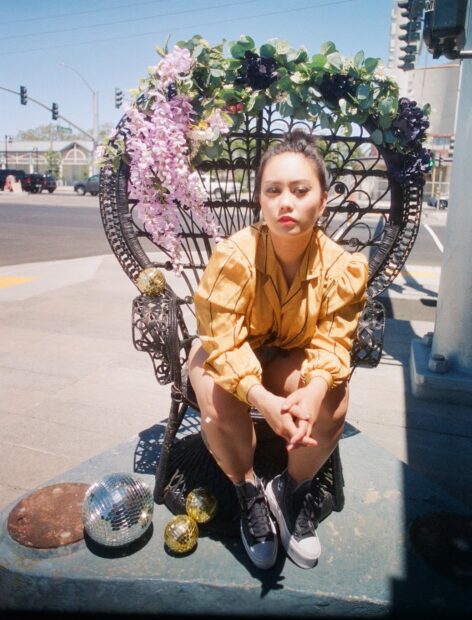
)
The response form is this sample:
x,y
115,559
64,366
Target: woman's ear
x,y
324,200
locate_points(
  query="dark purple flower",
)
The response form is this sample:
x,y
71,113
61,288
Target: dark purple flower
x,y
334,87
257,72
171,91
411,123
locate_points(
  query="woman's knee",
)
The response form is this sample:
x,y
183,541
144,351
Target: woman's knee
x,y
330,423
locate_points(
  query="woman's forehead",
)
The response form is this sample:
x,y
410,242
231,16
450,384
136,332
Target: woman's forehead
x,y
290,165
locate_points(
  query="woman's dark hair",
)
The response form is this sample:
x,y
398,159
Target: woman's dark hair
x,y
297,141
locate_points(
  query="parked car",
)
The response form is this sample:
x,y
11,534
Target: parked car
x,y
50,183
90,185
18,174
33,183
440,202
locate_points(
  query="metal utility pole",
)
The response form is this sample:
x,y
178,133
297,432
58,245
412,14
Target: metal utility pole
x,y
8,139
95,120
441,363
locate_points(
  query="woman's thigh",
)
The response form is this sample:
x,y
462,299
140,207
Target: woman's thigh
x,y
211,398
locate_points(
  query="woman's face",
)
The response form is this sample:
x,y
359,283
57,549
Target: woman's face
x,y
291,197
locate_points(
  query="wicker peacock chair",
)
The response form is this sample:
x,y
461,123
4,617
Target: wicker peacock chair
x,y
374,206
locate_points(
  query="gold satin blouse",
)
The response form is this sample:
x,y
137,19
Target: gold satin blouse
x,y
243,302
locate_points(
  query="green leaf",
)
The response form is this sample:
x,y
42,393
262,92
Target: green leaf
x,y
318,61
256,102
285,109
389,137
426,109
237,50
343,106
294,99
363,91
267,50
359,58
377,137
215,72
284,83
325,120
386,106
335,60
247,41
370,64
385,122
328,47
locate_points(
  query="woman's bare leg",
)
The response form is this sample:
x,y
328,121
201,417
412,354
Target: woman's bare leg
x,y
282,376
226,425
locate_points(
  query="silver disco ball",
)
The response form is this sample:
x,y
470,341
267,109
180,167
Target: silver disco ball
x,y
117,509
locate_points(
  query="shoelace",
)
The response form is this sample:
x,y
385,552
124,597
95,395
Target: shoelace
x,y
258,516
306,522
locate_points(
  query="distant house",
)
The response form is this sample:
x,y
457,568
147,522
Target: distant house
x,y
75,157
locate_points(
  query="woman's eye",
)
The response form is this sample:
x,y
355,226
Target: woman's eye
x,y
301,190
272,190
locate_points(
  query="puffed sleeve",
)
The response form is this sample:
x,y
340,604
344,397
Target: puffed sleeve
x,y
222,302
328,355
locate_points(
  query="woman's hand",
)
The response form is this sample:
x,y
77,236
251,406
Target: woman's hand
x,y
292,425
304,404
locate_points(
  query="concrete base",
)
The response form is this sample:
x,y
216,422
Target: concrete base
x,y
367,568
451,386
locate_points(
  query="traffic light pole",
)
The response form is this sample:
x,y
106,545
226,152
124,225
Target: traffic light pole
x,y
9,90
441,363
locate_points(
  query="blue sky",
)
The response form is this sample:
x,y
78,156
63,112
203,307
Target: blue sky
x,y
111,43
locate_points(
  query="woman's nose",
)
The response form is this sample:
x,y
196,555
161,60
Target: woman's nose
x,y
286,201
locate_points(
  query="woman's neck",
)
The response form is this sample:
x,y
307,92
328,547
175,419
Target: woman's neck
x,y
289,252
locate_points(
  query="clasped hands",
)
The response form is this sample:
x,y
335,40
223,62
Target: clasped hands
x,y
292,417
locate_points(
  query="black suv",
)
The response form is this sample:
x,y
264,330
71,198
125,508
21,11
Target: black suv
x,y
33,183
50,183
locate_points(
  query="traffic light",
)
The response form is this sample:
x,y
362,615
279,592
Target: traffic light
x,y
55,111
445,28
118,98
413,11
23,95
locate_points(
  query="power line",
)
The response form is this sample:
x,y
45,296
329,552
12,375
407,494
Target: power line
x,y
74,13
127,21
166,30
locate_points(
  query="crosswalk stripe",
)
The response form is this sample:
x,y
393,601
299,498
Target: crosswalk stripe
x,y
9,281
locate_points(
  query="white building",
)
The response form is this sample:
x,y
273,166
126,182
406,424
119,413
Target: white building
x,y
74,157
436,85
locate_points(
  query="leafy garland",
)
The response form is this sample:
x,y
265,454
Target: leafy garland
x,y
196,95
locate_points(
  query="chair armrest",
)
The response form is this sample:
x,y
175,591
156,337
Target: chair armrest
x,y
157,323
368,344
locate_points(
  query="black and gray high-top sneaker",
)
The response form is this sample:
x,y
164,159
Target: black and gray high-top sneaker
x,y
297,513
258,531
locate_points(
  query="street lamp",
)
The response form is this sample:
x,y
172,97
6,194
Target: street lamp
x,y
8,140
94,105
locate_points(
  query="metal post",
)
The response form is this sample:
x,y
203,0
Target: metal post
x,y
443,371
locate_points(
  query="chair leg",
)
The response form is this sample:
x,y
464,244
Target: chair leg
x,y
177,412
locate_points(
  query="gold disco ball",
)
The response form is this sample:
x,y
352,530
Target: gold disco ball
x,y
201,505
181,534
151,281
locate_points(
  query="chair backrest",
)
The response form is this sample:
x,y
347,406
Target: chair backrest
x,y
371,207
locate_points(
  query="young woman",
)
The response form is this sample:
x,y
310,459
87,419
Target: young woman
x,y
277,309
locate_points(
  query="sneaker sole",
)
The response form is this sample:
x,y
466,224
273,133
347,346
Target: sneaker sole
x,y
292,550
264,565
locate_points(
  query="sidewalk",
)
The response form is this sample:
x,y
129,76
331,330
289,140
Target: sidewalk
x,y
75,396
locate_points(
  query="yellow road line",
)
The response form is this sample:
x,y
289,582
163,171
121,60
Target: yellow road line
x,y
8,281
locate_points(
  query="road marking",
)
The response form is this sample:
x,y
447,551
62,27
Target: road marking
x,y
9,281
435,237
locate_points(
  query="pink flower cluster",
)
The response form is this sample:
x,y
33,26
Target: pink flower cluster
x,y
176,63
160,172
